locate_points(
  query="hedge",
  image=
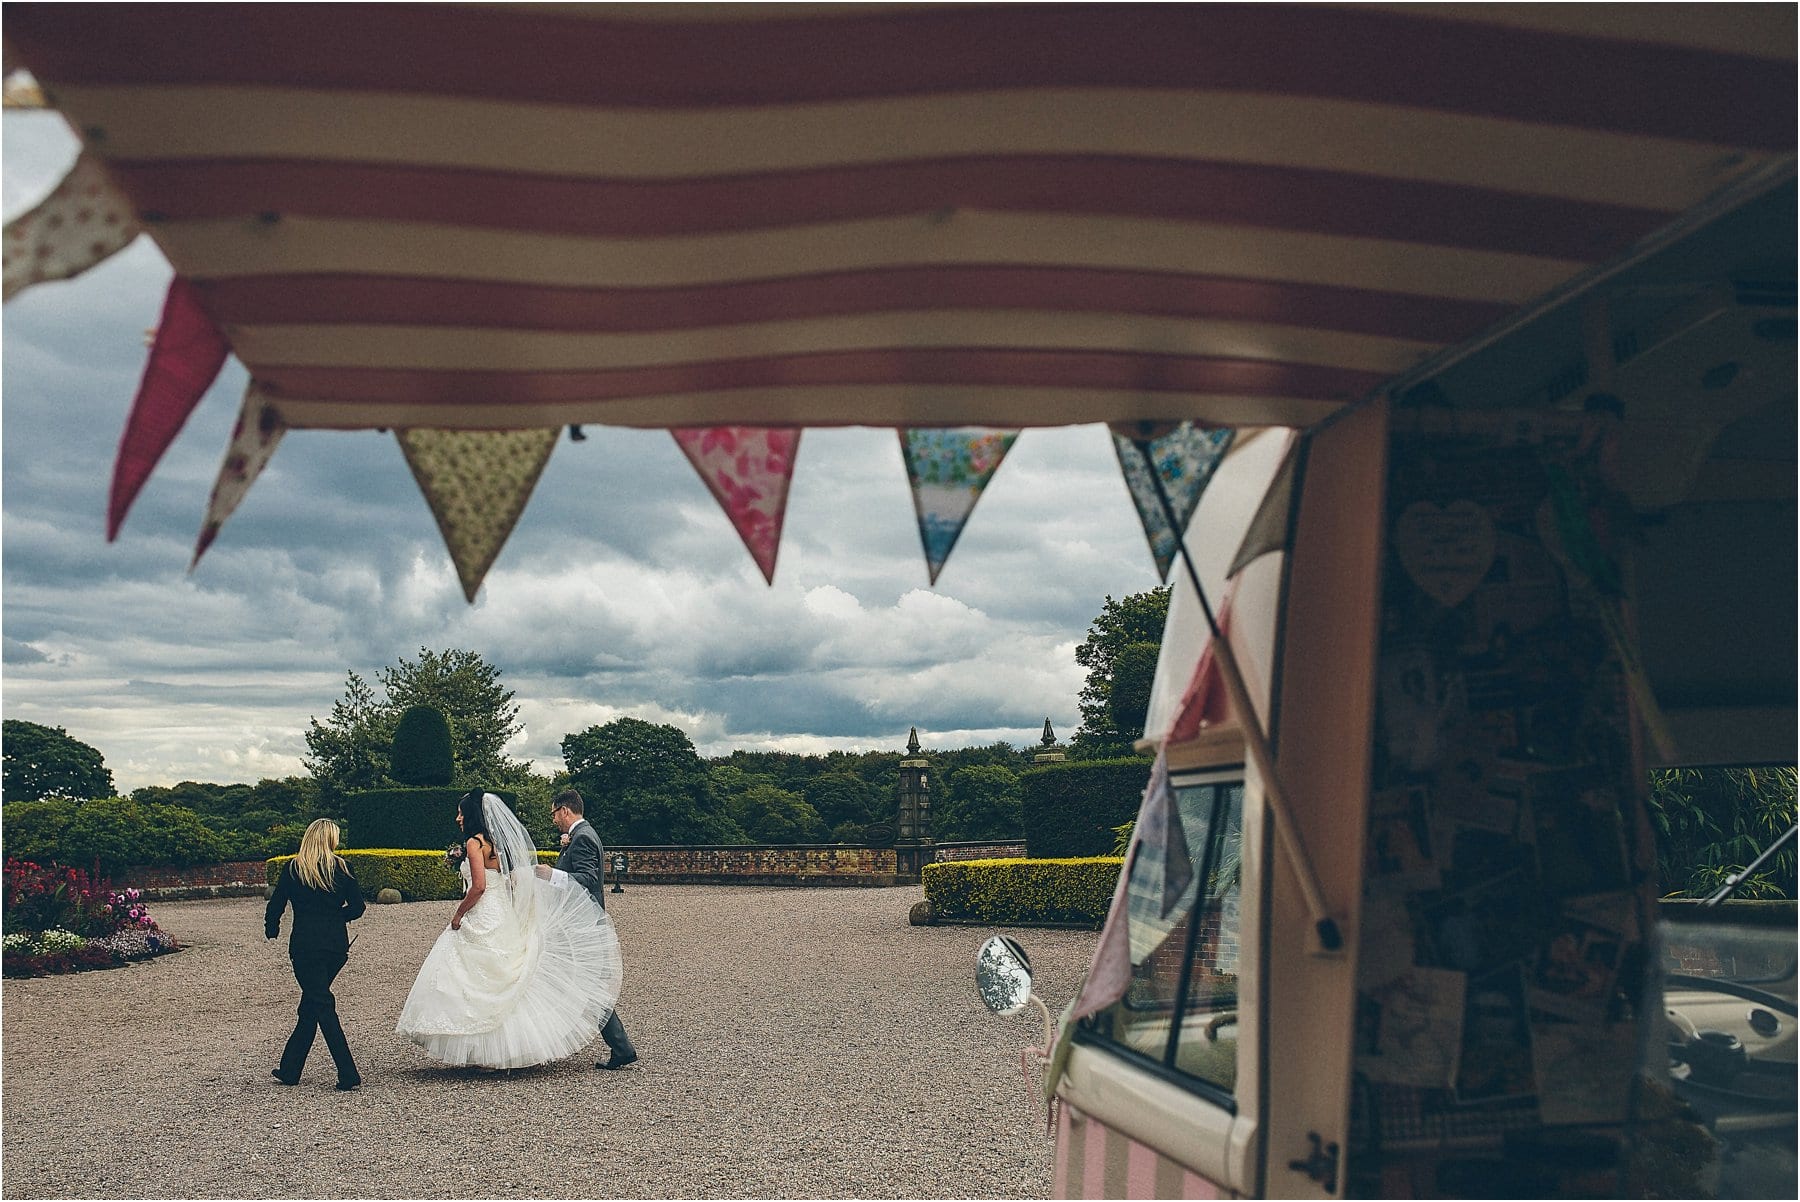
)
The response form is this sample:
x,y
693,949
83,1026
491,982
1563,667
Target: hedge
x,y
418,875
1070,808
409,818
1076,890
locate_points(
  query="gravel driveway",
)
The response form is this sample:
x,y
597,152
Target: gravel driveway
x,y
796,1043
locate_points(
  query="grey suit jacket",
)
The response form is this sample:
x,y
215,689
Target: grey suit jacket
x,y
585,860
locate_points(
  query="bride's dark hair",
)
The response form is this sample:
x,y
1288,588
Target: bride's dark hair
x,y
474,821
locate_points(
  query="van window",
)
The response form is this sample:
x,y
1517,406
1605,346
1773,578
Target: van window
x,y
1180,1010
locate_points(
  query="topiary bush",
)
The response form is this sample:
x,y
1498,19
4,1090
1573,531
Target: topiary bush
x,y
421,754
1072,808
1076,890
415,875
424,819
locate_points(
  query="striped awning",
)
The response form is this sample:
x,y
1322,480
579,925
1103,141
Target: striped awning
x,y
496,217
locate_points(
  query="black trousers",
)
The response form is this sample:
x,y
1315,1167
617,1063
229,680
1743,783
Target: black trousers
x,y
315,970
613,1032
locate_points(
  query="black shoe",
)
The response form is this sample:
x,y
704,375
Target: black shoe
x,y
283,1078
352,1083
618,1060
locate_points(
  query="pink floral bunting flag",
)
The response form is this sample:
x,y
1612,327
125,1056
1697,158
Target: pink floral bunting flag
x,y
747,468
477,483
948,469
1185,459
259,428
185,359
85,221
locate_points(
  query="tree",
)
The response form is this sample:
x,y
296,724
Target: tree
x,y
841,797
352,749
1120,656
771,815
422,750
645,784
985,802
46,761
466,689
1712,822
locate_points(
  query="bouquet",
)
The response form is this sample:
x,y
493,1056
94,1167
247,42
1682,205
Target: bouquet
x,y
454,855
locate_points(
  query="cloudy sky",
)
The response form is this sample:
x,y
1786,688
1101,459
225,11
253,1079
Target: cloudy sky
x,y
623,591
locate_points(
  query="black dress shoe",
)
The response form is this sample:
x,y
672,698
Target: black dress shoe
x,y
283,1078
618,1060
347,1086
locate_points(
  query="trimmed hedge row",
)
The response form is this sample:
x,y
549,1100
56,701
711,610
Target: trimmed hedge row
x,y
1005,891
409,818
1070,808
418,875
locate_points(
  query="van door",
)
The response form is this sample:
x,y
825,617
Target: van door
x,y
1152,1103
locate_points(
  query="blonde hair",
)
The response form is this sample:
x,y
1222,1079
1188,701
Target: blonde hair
x,y
316,863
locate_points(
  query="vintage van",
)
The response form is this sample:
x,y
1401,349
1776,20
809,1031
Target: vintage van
x,y
1388,926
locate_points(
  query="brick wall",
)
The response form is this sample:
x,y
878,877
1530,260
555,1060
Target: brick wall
x,y
241,878
792,864
989,849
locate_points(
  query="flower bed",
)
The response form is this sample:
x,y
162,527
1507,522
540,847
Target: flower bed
x,y
61,920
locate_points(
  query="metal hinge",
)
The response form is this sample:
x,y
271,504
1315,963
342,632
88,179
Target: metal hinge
x,y
1322,1165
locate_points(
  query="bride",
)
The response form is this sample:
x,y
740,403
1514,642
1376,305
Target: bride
x,y
527,970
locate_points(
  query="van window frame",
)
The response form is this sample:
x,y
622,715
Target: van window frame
x,y
1221,780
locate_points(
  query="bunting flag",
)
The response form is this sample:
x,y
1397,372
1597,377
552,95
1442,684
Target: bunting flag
x,y
1206,701
948,469
747,468
1268,530
1185,459
84,221
477,483
253,441
185,359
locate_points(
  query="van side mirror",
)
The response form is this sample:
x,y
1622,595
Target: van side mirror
x,y
1003,975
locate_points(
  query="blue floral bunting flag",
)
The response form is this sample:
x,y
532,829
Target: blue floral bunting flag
x,y
1185,459
947,470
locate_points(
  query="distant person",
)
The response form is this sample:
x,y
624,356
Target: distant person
x,y
326,898
525,971
583,858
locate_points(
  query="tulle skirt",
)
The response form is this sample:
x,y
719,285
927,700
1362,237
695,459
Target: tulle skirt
x,y
506,993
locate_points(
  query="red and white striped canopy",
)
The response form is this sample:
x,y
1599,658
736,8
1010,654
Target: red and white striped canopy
x,y
495,217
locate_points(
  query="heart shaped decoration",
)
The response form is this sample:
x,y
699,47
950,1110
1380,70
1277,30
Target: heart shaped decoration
x,y
1446,549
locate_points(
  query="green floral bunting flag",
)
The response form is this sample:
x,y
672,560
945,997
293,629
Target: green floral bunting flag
x,y
1185,459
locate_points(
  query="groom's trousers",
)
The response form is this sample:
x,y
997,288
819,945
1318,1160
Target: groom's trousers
x,y
613,1032
315,971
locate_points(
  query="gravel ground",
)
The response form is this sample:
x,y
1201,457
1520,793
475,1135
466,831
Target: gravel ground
x,y
796,1043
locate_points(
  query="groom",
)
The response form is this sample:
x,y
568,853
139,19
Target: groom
x,y
584,858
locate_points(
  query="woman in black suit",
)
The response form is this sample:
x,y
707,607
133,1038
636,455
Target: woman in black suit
x,y
325,898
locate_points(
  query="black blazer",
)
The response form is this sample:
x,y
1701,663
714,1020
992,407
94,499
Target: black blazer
x,y
585,860
319,915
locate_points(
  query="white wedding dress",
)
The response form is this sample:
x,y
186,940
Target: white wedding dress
x,y
528,979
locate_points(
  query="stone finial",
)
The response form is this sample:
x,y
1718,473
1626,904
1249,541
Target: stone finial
x,y
912,743
1049,739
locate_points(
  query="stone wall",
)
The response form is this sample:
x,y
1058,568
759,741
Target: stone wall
x,y
982,849
792,864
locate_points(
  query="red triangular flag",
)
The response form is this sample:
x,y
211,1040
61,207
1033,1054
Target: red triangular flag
x,y
184,361
1205,702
